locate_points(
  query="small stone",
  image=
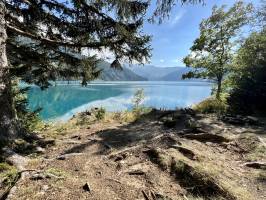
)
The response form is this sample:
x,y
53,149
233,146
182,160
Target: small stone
x,y
87,187
98,173
45,187
40,150
252,120
61,157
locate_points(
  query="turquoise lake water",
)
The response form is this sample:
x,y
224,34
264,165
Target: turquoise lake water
x,y
62,101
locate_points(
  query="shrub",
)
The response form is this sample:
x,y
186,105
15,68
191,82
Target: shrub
x,y
138,99
248,78
100,113
30,120
211,105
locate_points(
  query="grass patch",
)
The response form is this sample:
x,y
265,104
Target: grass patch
x,y
257,154
211,105
158,157
8,173
201,180
261,176
253,148
56,172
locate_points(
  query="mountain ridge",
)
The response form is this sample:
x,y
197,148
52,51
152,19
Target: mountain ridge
x,y
111,74
153,73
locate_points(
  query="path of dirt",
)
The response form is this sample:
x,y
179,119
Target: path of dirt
x,y
112,160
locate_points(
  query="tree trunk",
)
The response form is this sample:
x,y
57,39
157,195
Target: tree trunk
x,y
219,89
8,125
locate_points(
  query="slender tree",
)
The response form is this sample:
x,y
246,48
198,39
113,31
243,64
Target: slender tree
x,y
212,53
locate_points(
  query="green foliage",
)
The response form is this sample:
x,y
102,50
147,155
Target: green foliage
x,y
211,105
5,167
138,98
8,173
39,56
100,113
212,53
137,101
29,119
56,172
248,78
164,7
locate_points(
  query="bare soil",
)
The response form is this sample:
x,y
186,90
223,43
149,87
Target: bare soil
x,y
110,161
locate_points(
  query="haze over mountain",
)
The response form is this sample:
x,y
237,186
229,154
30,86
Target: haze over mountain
x,y
110,74
142,73
153,73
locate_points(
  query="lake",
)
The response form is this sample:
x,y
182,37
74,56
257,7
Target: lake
x,y
62,101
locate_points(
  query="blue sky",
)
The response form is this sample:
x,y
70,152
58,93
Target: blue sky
x,y
172,39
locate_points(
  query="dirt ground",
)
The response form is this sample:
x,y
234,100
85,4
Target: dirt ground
x,y
141,161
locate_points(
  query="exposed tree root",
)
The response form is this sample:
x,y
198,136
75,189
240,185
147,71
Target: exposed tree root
x,y
186,152
65,156
196,182
193,180
8,191
207,137
256,165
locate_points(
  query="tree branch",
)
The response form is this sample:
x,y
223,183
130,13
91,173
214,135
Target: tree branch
x,y
61,43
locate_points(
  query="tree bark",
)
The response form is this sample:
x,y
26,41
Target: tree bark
x,y
8,125
219,89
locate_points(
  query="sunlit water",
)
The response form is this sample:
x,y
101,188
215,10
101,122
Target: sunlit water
x,y
61,102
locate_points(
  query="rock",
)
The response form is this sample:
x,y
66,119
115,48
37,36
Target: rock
x,y
45,188
65,156
15,159
39,150
252,120
62,157
86,187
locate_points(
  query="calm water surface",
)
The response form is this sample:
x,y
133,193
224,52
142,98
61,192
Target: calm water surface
x,y
61,102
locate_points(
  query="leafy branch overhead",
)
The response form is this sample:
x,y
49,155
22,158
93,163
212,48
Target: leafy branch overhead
x,y
47,37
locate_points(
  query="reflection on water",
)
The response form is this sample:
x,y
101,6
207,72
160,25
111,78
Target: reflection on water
x,y
62,101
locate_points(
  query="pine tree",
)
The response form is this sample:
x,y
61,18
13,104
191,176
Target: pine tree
x,y
42,40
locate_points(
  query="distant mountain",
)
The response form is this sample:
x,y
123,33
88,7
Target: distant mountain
x,y
175,75
110,74
153,73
